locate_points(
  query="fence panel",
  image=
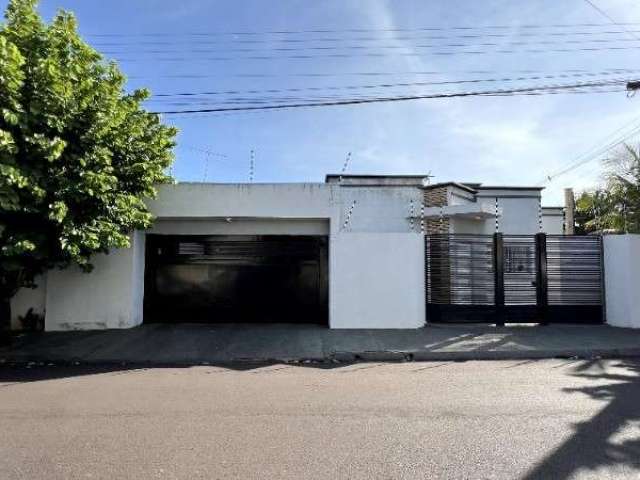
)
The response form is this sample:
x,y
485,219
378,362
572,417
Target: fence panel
x,y
574,272
537,278
460,277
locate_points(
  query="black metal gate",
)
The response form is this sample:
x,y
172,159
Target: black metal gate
x,y
236,278
514,278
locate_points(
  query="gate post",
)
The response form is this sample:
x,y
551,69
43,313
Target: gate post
x,y
542,298
498,270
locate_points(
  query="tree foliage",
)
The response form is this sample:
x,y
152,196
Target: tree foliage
x,y
616,206
78,155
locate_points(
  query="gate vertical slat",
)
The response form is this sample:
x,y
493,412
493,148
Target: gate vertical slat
x,y
542,291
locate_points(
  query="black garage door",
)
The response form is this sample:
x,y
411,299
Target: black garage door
x,y
236,278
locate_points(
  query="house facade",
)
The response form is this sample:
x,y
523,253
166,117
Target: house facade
x,y
347,253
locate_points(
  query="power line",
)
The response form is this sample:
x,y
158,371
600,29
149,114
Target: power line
x,y
594,148
374,55
610,18
597,151
541,88
234,113
200,103
596,155
364,74
387,85
191,101
303,41
222,115
375,47
362,30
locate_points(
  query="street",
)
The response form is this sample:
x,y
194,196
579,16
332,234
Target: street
x,y
544,419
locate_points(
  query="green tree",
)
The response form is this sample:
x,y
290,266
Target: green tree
x,y
616,206
78,155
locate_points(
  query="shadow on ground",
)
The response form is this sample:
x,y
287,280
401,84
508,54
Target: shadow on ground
x,y
36,372
609,440
594,445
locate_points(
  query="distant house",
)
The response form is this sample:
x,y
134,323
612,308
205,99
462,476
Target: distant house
x,y
347,253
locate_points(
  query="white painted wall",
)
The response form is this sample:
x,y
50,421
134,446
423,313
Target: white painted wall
x,y
553,223
254,200
517,215
377,280
241,226
622,278
378,209
109,297
112,295
255,206
27,298
376,262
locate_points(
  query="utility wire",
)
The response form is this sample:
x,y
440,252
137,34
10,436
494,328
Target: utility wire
x,y
374,55
223,115
360,48
368,74
193,102
597,151
596,155
611,19
299,44
319,95
388,85
540,88
606,141
363,30
314,100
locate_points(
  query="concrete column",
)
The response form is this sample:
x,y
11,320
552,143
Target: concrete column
x,y
569,208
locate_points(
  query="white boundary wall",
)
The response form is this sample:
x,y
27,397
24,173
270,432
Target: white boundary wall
x,y
376,263
110,296
376,259
622,280
377,280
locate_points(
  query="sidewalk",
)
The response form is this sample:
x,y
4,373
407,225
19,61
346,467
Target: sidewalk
x,y
218,344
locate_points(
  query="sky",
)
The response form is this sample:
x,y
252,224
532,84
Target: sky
x,y
195,46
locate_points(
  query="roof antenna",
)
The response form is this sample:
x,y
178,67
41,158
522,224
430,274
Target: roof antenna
x,y
252,164
346,164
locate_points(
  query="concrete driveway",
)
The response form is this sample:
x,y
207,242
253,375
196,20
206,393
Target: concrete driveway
x,y
545,419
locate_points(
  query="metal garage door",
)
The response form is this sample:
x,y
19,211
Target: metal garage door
x,y
236,278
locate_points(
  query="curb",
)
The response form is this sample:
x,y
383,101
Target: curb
x,y
338,357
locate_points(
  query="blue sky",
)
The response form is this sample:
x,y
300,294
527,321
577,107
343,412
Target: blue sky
x,y
515,140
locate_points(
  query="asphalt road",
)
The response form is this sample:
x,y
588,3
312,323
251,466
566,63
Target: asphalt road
x,y
551,419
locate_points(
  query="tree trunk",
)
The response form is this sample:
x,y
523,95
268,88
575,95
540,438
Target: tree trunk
x,y
5,320
8,288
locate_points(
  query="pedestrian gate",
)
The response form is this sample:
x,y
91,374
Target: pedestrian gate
x,y
514,278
